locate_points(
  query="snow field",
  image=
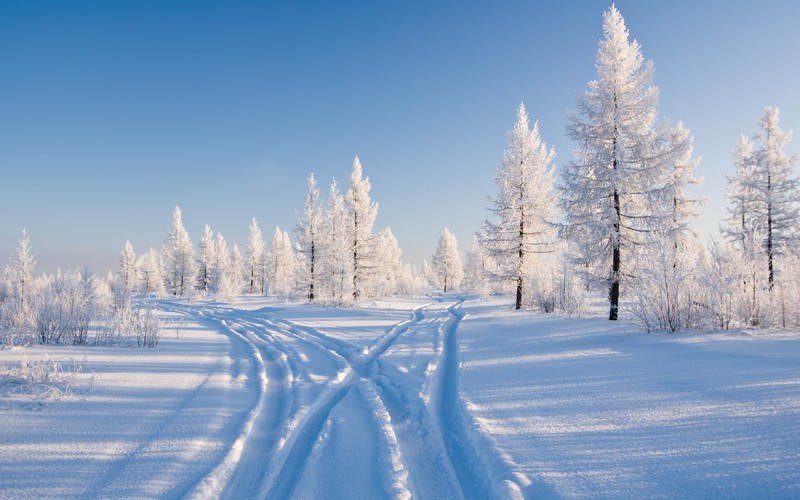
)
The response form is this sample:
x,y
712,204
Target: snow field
x,y
438,397
588,408
151,424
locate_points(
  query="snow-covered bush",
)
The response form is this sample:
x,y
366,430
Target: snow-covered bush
x,y
666,295
131,325
38,380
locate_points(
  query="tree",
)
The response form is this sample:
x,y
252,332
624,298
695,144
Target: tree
x,y
336,264
255,259
447,262
740,194
524,209
682,207
127,268
613,191
22,265
477,270
237,265
308,234
281,262
179,257
776,190
151,269
223,281
362,217
390,270
207,261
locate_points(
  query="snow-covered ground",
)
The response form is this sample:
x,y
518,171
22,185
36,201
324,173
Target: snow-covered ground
x,y
437,397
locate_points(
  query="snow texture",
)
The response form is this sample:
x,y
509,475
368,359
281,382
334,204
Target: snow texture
x,y
438,397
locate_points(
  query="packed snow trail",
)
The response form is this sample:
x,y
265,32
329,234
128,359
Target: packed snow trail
x,y
302,441
388,392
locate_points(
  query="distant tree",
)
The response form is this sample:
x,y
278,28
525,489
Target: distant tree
x,y
255,260
237,267
309,225
336,263
179,258
681,207
428,275
777,198
389,264
613,191
151,272
447,262
741,194
224,279
22,265
362,217
127,268
477,270
207,261
524,219
281,259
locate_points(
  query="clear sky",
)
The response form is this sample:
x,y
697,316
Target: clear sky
x,y
112,113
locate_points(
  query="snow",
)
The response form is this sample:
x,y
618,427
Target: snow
x,y
440,396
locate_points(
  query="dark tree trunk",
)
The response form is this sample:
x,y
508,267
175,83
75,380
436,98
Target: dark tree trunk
x,y
613,292
769,230
311,285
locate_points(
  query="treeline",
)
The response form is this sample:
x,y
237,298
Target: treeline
x,y
616,218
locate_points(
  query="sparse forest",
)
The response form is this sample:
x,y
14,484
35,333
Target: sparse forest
x,y
616,217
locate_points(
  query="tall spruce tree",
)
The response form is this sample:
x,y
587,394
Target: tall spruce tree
x,y
363,212
207,261
179,257
447,262
309,225
777,195
255,259
524,218
613,191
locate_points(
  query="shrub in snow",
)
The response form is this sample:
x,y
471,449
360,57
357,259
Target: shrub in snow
x,y
131,324
38,380
666,294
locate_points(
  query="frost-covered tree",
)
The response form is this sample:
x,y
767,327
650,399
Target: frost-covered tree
x,y
763,217
613,191
362,217
428,275
336,256
523,222
22,265
179,258
740,194
255,260
389,270
777,204
309,226
151,273
281,264
224,281
237,269
207,260
447,262
681,206
478,269
127,277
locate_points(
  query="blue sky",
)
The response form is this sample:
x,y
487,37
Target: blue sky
x,y
112,113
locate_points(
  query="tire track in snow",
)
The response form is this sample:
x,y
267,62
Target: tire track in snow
x,y
422,448
449,410
241,470
300,443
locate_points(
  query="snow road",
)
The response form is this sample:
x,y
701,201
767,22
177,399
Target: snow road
x,y
434,397
369,404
